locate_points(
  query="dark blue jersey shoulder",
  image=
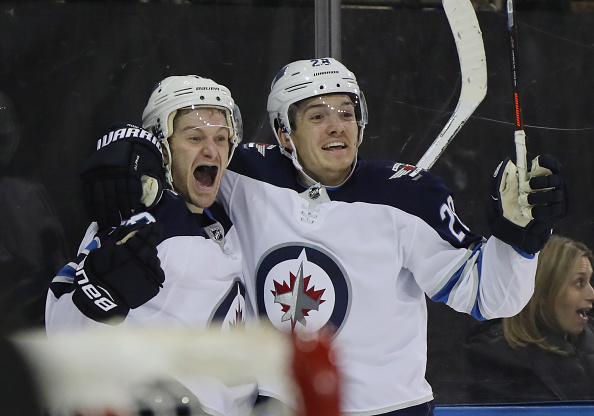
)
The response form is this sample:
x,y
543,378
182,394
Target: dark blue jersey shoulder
x,y
264,162
413,190
177,220
389,183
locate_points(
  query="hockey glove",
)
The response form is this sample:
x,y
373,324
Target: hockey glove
x,y
526,219
123,273
125,172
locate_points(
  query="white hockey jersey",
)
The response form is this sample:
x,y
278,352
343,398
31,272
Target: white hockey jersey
x,y
203,287
360,258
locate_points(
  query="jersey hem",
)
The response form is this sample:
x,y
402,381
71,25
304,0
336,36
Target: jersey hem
x,y
389,409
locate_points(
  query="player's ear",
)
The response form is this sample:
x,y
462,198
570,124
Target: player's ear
x,y
165,155
284,139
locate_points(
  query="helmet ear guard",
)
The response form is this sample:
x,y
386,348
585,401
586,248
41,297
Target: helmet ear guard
x,y
169,123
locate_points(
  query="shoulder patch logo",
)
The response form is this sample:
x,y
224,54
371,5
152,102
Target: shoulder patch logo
x,y
261,147
403,169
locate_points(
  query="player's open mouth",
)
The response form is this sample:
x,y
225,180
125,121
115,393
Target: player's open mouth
x,y
334,146
206,175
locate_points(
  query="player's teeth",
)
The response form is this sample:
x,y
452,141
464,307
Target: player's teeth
x,y
329,145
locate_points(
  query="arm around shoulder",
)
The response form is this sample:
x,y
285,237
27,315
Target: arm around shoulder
x,y
118,270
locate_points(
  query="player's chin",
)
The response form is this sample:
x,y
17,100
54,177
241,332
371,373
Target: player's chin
x,y
337,163
204,197
204,200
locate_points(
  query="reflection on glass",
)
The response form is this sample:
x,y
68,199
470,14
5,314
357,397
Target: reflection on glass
x,y
32,242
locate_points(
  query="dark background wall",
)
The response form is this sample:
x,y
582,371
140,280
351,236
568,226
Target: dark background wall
x,y
69,69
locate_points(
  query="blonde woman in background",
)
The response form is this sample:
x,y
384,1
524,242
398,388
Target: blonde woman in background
x,y
546,352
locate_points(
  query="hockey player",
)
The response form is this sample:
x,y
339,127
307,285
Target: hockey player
x,y
357,244
196,280
334,241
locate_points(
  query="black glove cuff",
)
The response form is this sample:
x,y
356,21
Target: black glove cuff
x,y
130,272
530,240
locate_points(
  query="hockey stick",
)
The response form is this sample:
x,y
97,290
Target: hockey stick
x,y
473,67
519,134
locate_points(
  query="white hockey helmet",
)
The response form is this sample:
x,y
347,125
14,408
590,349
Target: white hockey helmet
x,y
308,78
188,92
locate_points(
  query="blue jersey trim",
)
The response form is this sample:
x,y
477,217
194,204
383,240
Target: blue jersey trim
x,y
523,253
444,293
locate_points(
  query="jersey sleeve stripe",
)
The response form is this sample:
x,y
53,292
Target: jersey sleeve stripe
x,y
62,282
468,268
443,289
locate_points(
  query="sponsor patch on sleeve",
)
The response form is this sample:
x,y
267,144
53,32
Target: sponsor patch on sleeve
x,y
402,169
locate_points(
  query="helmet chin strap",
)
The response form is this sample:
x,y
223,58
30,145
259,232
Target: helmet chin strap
x,y
168,176
232,146
309,181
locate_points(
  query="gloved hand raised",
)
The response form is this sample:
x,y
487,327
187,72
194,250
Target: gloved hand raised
x,y
124,175
122,273
526,219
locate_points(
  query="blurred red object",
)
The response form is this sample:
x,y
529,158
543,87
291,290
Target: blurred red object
x,y
316,373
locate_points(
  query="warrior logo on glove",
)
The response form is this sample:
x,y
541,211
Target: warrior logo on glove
x,y
123,176
127,131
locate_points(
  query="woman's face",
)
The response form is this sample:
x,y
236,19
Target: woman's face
x,y
575,300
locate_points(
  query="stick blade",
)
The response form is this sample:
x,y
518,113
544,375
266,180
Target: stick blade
x,y
473,68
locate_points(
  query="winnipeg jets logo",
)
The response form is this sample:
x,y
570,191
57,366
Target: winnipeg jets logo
x,y
239,319
302,288
297,299
230,314
402,169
